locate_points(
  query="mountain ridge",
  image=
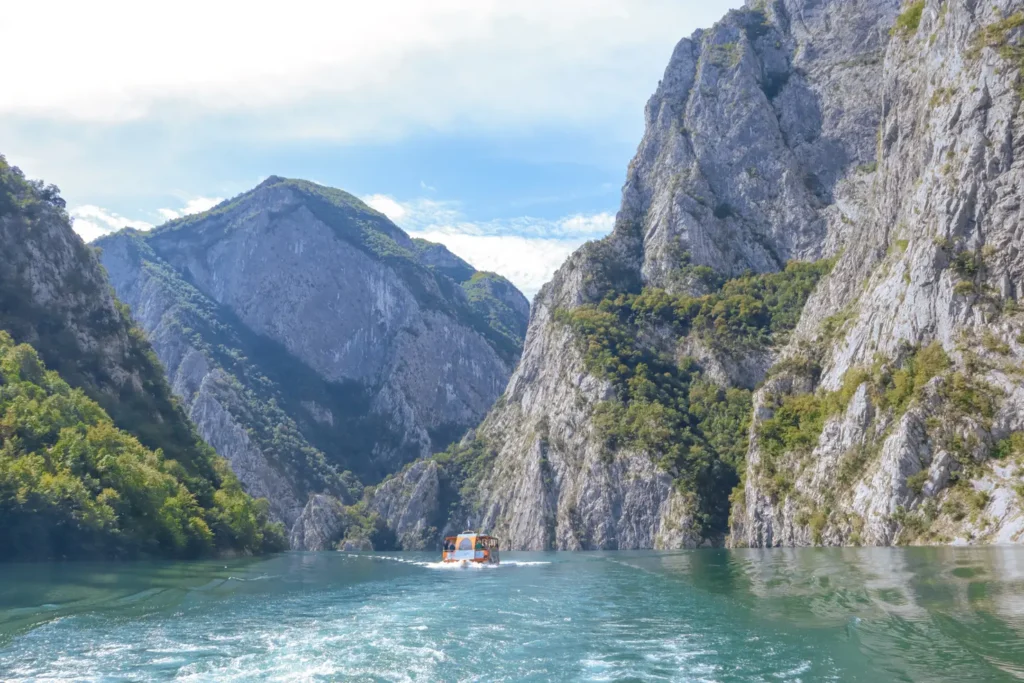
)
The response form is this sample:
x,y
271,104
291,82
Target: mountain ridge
x,y
315,343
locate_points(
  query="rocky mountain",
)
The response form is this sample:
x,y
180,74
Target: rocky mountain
x,y
804,329
870,145
896,416
625,424
314,344
96,456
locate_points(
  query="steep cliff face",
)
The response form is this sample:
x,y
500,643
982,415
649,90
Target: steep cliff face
x,y
752,136
897,414
889,408
624,424
312,341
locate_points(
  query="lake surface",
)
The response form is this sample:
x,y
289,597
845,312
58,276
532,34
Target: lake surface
x,y
917,614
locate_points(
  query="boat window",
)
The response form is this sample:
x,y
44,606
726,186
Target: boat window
x,y
466,544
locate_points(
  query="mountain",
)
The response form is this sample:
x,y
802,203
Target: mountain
x,y
626,423
112,466
805,326
313,343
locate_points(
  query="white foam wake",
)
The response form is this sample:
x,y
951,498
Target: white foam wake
x,y
450,565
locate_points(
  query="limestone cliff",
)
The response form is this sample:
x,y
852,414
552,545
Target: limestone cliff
x,y
897,415
755,138
312,341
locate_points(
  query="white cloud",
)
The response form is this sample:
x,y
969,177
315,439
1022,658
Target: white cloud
x,y
386,205
92,222
587,225
344,70
528,262
197,205
526,250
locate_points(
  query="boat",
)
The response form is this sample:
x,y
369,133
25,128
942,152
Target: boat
x,y
471,548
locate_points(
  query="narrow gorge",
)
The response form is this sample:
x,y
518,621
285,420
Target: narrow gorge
x,y
803,329
675,391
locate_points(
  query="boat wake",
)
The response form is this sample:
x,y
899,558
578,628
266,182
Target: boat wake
x,y
450,565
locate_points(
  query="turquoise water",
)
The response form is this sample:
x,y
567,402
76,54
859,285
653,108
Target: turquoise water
x,y
920,614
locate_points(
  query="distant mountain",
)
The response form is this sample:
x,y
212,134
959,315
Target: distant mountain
x,y
72,485
314,343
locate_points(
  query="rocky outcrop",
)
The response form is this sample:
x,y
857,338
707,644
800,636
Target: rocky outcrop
x,y
552,483
754,137
309,337
411,503
917,330
320,525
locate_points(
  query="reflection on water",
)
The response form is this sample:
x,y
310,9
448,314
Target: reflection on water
x,y
905,614
944,613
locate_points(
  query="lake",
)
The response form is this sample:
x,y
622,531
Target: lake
x,y
872,614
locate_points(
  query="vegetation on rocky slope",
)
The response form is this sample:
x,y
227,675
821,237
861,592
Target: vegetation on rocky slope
x,y
489,294
74,485
799,418
695,429
94,347
103,416
910,18
267,386
954,402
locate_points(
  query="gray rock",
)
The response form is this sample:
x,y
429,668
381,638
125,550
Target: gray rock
x,y
320,525
308,336
411,505
934,257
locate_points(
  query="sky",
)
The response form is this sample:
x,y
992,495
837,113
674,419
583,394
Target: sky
x,y
501,129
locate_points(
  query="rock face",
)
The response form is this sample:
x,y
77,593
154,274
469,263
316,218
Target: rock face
x,y
412,504
552,484
759,135
321,523
917,331
754,135
312,341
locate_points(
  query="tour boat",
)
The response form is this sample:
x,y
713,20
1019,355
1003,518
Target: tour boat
x,y
470,547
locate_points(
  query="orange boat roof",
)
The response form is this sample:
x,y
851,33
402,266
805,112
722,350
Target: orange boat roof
x,y
470,534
